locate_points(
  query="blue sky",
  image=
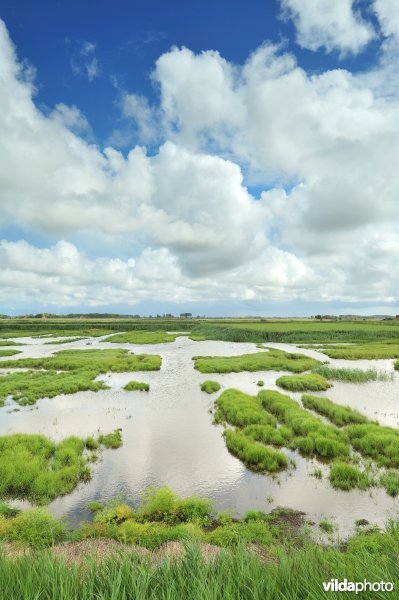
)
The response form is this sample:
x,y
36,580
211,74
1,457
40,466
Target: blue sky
x,y
232,158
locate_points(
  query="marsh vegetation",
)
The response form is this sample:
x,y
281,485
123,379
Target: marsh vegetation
x,y
35,468
68,372
272,360
210,387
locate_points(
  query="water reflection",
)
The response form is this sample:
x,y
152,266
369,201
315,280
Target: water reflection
x,y
169,438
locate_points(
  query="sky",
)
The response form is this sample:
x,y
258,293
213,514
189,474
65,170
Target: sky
x,y
221,158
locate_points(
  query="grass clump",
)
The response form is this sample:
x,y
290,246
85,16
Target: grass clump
x,y
137,385
327,526
344,476
256,456
9,352
142,337
377,442
260,383
240,409
34,527
210,387
299,383
366,351
339,415
349,375
68,372
35,468
390,481
311,435
266,434
111,440
272,360
98,361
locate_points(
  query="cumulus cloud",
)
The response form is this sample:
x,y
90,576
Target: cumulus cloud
x,y
332,25
325,147
387,12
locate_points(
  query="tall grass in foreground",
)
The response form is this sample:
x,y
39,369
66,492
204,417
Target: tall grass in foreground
x,y
232,575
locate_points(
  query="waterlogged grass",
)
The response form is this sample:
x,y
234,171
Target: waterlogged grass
x,y
137,385
35,468
239,409
310,435
390,481
99,361
363,351
377,442
9,353
10,343
272,360
350,375
66,341
26,387
210,387
256,457
68,372
276,420
142,337
300,383
344,476
339,415
111,440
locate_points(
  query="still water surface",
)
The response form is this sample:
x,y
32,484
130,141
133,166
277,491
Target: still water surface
x,y
169,438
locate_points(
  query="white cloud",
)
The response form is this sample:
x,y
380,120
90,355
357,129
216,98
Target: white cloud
x,y
195,230
84,61
328,24
387,12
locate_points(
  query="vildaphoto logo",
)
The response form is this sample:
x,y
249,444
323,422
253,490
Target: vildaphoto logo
x,y
335,585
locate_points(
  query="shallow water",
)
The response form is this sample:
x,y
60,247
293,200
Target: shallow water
x,y
169,438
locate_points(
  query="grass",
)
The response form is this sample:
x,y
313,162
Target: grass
x,y
256,457
350,375
9,353
142,337
99,361
210,387
299,383
137,385
68,372
339,415
327,526
273,360
10,343
275,419
35,468
260,556
111,440
260,383
377,442
310,435
237,573
363,351
390,481
239,409
344,476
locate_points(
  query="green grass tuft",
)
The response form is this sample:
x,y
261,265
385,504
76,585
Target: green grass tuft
x,y
299,383
272,360
142,337
137,385
210,387
339,415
